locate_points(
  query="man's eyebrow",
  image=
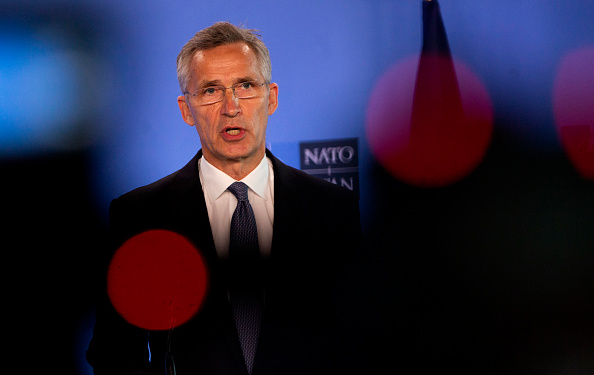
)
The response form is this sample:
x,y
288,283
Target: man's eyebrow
x,y
218,82
245,79
215,82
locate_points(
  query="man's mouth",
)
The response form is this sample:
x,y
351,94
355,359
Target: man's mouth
x,y
233,131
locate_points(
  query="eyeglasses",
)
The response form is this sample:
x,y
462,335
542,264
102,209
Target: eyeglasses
x,y
213,94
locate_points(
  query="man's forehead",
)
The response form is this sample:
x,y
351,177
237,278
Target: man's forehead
x,y
215,64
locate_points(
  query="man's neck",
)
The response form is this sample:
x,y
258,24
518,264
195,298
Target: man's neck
x,y
236,168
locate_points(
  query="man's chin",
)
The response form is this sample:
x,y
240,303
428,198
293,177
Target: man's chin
x,y
241,153
235,156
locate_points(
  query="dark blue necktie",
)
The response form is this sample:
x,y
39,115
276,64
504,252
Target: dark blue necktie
x,y
244,234
245,296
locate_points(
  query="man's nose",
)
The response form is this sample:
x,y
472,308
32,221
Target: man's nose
x,y
230,105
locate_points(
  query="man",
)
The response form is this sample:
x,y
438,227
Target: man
x,y
306,229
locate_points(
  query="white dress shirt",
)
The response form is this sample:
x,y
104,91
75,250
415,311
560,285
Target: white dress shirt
x,y
221,203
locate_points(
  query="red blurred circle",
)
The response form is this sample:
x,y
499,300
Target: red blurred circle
x,y
450,130
157,280
573,107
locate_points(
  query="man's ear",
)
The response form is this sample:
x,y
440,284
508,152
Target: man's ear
x,y
185,110
272,98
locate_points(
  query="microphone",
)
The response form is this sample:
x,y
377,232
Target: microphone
x,y
169,362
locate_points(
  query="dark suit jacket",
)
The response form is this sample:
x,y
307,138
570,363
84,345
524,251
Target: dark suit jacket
x,y
316,230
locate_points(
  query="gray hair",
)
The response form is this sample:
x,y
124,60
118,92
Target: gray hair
x,y
219,34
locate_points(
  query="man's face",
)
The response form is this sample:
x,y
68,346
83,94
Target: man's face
x,y
232,131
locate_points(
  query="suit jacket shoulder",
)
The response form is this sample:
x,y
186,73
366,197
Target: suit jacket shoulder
x,y
313,193
174,202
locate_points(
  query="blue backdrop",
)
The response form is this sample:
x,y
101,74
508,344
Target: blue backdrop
x,y
91,86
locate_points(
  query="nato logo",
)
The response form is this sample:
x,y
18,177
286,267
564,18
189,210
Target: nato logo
x,y
336,161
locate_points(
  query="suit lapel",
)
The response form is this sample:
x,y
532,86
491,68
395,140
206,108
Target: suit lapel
x,y
286,214
286,204
197,227
193,216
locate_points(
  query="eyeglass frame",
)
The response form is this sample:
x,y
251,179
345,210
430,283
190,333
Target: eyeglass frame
x,y
232,87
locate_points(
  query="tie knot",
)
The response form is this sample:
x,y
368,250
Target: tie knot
x,y
240,190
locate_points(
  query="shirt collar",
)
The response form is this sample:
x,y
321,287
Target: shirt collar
x,y
216,181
